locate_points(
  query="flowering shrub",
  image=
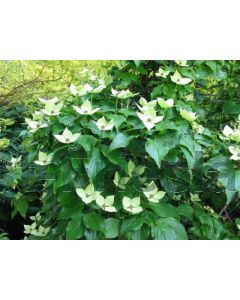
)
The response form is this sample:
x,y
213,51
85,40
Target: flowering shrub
x,y
140,154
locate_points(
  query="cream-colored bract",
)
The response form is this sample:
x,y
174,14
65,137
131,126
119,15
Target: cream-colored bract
x,y
165,103
178,79
232,134
152,193
52,109
162,73
187,115
146,105
132,205
86,108
103,124
106,203
149,118
124,94
88,194
197,127
235,151
120,181
181,63
44,159
50,101
67,137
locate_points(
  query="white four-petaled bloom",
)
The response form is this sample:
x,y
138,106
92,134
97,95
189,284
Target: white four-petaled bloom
x,y
132,205
162,73
178,79
235,151
231,134
165,103
52,109
86,108
35,125
106,203
44,159
152,193
81,90
103,124
146,105
120,181
122,94
88,195
182,63
149,118
50,101
15,161
187,115
67,137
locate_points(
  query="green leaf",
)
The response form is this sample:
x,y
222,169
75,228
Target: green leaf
x,y
159,147
118,120
185,210
132,223
163,209
22,206
87,142
95,164
70,212
231,107
111,228
75,229
119,141
115,157
168,229
94,221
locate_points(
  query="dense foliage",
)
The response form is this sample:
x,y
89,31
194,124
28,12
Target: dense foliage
x,y
139,150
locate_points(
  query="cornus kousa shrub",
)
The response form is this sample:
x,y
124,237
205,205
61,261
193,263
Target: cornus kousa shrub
x,y
138,155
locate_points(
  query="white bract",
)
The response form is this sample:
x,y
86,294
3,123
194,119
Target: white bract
x,y
103,124
50,101
106,203
67,137
120,182
194,197
149,118
35,125
86,108
189,97
146,105
233,134
81,90
132,205
162,73
235,151
165,103
178,79
197,127
133,170
122,94
152,193
44,159
182,63
88,194
52,109
187,115
15,161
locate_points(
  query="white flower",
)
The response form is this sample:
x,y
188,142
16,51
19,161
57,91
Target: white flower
x,y
149,118
146,105
52,109
50,101
197,127
88,195
162,73
98,89
86,108
35,125
187,115
82,90
182,63
227,131
67,137
122,94
178,79
44,159
152,193
132,205
165,104
133,170
235,136
106,203
194,197
235,151
15,161
102,124
189,97
36,218
120,182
